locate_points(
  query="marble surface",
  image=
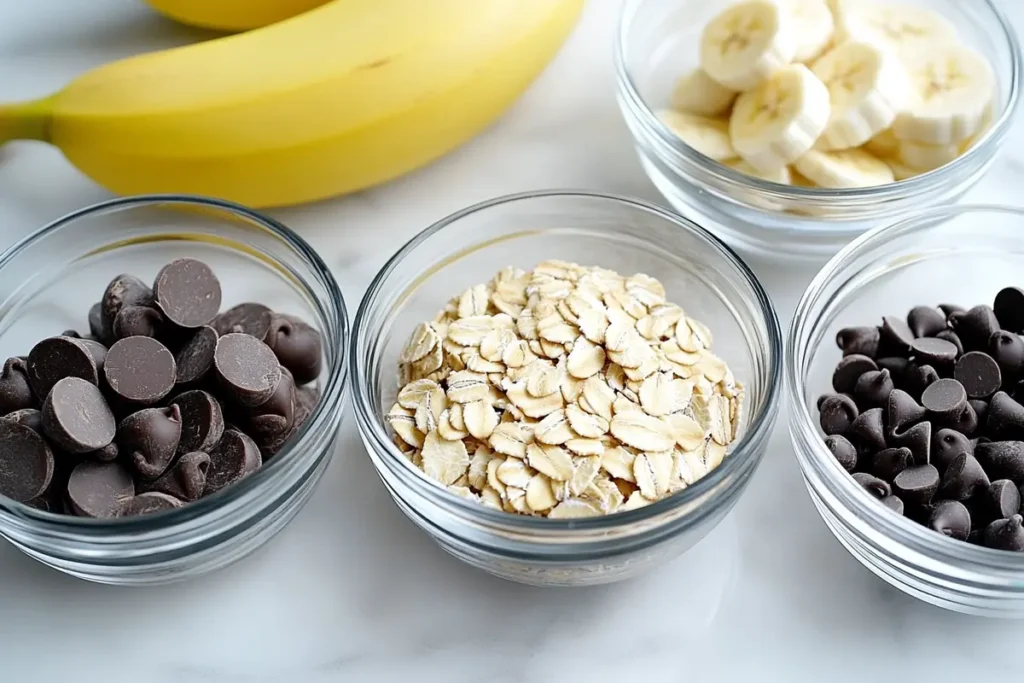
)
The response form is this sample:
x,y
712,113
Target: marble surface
x,y
351,591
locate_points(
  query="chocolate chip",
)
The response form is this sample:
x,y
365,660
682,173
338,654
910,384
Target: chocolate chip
x,y
917,484
895,365
15,391
97,350
918,439
953,338
26,462
894,503
873,485
978,373
1005,418
148,503
202,421
138,321
963,477
951,518
980,409
307,397
1007,349
149,439
186,479
903,411
844,452
99,489
195,358
925,321
297,346
868,430
54,359
76,416
947,444
108,453
270,446
897,333
872,389
187,292
1009,309
1002,459
124,290
933,351
235,457
917,378
140,370
249,318
889,462
97,327
944,398
1001,499
1005,534
276,415
27,417
974,327
950,309
966,422
247,368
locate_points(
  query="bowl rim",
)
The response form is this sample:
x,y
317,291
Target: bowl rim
x,y
809,446
989,142
741,452
332,396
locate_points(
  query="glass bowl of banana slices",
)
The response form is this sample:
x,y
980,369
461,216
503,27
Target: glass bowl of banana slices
x,y
791,126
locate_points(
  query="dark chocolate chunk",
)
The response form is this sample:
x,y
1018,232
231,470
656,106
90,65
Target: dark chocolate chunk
x,y
1002,459
247,368
903,411
1005,418
945,399
76,416
1000,500
978,373
872,389
187,292
918,439
917,484
27,417
889,462
235,457
140,370
276,415
974,327
195,358
202,421
1005,534
1007,349
947,444
297,346
138,321
925,321
963,477
99,489
56,358
97,326
15,391
933,351
186,479
1009,309
896,333
951,518
868,430
250,318
149,439
26,462
953,338
148,503
876,487
917,378
894,503
844,452
123,290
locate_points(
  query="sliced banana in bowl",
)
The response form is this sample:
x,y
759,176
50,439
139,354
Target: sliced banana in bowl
x,y
748,42
844,168
905,29
708,136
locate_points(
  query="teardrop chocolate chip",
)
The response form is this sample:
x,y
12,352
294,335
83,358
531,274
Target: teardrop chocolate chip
x,y
859,340
963,478
917,484
974,327
925,321
149,439
868,430
872,389
1002,459
873,485
1005,418
889,462
952,519
836,413
1005,534
844,452
297,346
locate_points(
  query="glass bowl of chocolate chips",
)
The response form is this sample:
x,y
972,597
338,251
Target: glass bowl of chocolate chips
x,y
905,373
172,388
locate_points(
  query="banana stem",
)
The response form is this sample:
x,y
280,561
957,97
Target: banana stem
x,y
25,120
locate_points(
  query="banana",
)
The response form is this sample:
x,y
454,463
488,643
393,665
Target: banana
x,y
924,157
780,175
698,93
813,27
747,43
844,168
798,179
867,88
900,171
952,87
777,122
708,136
905,29
232,15
883,145
341,98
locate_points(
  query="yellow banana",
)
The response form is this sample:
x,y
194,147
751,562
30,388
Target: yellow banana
x,y
232,15
340,98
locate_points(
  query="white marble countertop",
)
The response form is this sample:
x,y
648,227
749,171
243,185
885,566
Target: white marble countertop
x,y
351,591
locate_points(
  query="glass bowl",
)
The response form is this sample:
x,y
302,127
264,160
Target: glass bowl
x,y
50,279
699,273
657,43
961,254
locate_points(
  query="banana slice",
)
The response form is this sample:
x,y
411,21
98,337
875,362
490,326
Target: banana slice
x,y
951,89
813,26
708,136
883,145
799,179
780,175
747,43
927,157
844,168
777,122
900,171
698,93
867,87
906,29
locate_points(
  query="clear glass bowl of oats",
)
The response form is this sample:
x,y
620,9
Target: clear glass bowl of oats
x,y
593,524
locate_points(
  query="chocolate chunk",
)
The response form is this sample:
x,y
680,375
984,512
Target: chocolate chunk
x,y
27,417
1005,418
138,321
873,485
1008,308
868,430
951,518
1000,500
247,368
148,503
917,484
917,378
97,326
202,421
124,290
889,462
186,479
894,503
99,489
54,359
903,411
249,318
149,439
298,347
1007,349
872,389
974,327
140,370
276,415
963,478
187,292
947,444
1002,459
978,373
15,391
896,333
195,358
1005,534
953,338
26,462
843,451
108,453
945,399
925,321
76,416
235,457
933,351
918,439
